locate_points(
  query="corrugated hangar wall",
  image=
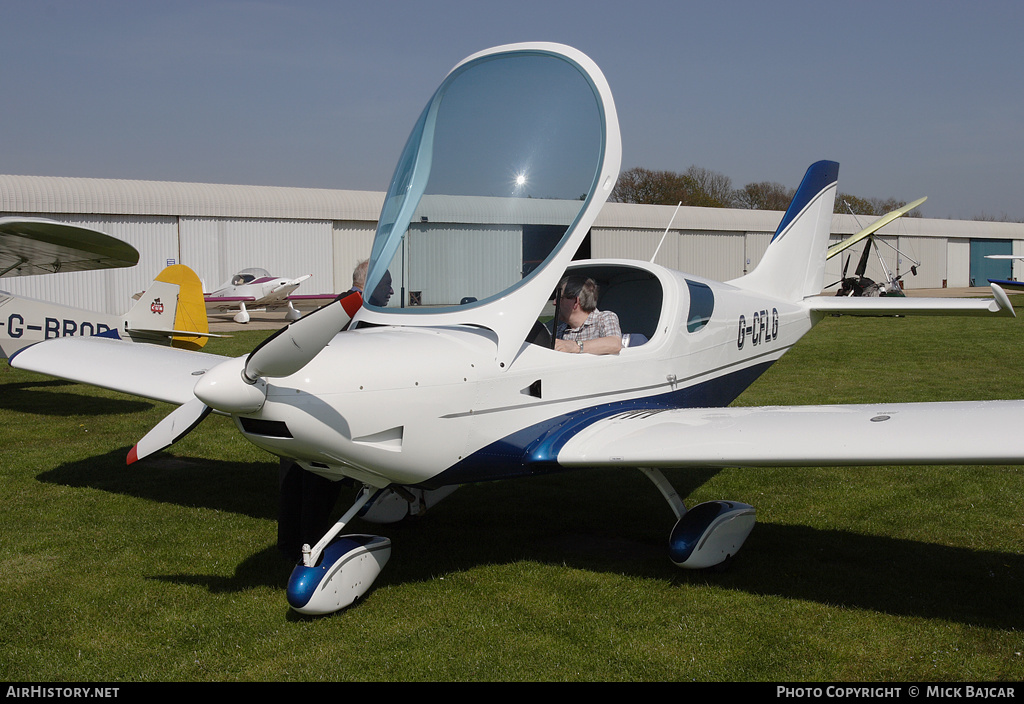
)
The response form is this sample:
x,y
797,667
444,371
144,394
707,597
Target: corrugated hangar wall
x,y
214,229
714,255
218,248
217,230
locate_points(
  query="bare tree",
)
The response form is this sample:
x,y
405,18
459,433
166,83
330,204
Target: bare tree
x,y
995,218
847,203
764,195
708,188
703,187
639,185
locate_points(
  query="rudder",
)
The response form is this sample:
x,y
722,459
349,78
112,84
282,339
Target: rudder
x,y
793,266
172,304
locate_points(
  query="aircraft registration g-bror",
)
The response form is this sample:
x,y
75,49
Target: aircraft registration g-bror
x,y
410,401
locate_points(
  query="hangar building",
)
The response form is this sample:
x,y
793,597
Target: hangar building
x,y
218,230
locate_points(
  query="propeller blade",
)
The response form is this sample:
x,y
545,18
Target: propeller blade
x,y
170,430
862,265
290,285
292,347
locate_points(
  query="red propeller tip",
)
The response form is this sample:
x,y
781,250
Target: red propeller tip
x,y
352,302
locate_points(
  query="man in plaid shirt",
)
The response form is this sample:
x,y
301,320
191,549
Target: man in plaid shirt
x,y
582,328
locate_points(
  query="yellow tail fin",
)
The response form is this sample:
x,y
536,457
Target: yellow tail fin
x,y
171,307
191,312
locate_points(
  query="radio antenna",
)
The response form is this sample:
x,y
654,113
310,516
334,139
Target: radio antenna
x,y
658,249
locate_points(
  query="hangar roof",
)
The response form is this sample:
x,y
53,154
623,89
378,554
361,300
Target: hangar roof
x,y
50,194
57,194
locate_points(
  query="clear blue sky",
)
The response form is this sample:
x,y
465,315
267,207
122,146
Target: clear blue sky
x,y
912,98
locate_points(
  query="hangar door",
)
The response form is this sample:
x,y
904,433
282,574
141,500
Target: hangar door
x,y
983,269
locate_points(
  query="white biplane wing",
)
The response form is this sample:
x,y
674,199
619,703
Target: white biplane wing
x,y
31,246
975,432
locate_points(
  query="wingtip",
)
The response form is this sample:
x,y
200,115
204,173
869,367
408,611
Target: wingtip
x,y
1002,302
133,455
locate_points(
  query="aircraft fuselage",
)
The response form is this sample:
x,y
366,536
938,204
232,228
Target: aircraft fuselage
x,y
429,406
26,321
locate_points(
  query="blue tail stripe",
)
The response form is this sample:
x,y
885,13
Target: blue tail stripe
x,y
820,175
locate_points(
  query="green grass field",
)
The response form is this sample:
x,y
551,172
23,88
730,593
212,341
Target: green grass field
x,y
167,570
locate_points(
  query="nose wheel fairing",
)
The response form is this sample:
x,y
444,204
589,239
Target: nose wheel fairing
x,y
346,571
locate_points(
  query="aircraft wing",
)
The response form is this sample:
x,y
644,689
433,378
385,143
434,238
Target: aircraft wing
x,y
318,297
38,246
229,299
999,304
873,227
962,432
160,373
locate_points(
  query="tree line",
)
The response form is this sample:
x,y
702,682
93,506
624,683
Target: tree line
x,y
706,188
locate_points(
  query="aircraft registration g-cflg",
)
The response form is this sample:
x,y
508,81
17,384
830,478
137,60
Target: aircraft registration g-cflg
x,y
257,288
170,313
411,401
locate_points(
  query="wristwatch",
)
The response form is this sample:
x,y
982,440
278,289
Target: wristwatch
x,y
581,346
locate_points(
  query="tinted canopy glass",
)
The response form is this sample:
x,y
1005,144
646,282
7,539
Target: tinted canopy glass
x,y
509,142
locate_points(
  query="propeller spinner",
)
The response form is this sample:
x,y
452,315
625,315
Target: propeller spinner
x,y
238,385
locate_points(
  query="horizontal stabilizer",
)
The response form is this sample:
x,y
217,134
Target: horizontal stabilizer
x,y
999,304
176,333
972,432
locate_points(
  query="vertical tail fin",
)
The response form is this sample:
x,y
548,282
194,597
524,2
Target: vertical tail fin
x,y
793,266
170,309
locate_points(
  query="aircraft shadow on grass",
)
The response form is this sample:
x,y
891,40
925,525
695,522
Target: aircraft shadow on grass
x,y
620,527
52,397
245,488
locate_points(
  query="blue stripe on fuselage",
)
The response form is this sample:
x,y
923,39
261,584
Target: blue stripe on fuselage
x,y
534,450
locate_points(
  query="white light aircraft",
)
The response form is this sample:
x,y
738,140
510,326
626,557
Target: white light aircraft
x,y
1008,284
171,313
411,401
257,289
